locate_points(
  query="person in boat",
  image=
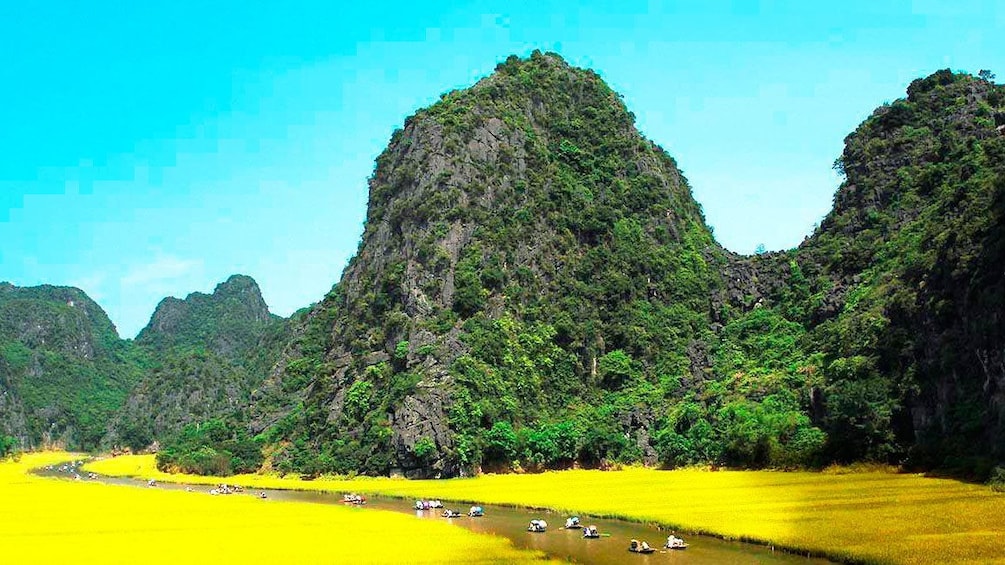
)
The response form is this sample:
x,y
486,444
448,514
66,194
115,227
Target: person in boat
x,y
644,546
634,545
572,522
674,542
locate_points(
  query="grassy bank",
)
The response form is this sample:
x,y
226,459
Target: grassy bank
x,y
870,516
60,521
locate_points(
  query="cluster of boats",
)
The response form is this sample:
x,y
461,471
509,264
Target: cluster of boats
x,y
70,468
428,504
473,512
591,532
224,488
354,499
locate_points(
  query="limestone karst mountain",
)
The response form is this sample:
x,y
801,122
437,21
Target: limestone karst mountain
x,y
63,369
206,354
535,283
535,286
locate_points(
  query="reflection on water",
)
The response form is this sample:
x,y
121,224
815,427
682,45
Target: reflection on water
x,y
558,542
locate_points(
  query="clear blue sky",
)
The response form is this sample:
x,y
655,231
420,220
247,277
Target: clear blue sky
x,y
154,148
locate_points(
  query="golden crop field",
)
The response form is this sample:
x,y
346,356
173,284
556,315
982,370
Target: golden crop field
x,y
866,516
45,520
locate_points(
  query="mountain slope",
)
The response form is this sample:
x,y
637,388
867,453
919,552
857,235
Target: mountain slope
x,y
208,352
529,261
912,254
536,284
895,303
63,369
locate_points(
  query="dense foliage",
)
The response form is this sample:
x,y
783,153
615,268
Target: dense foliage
x,y
63,364
536,288
8,446
536,282
208,351
218,447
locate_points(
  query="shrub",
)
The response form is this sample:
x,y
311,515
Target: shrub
x,y
214,447
997,480
8,446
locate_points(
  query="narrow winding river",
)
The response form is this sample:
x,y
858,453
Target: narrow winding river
x,y
611,548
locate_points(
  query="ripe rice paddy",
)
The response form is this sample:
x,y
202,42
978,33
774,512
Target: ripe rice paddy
x,y
873,517
46,520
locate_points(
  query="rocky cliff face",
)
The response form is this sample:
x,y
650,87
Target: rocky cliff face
x,y
207,352
228,322
535,283
910,262
528,209
63,369
900,288
13,422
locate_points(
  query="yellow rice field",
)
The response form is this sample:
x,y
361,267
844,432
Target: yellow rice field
x,y
48,521
866,516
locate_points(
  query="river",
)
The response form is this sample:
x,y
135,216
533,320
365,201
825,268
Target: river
x,y
611,548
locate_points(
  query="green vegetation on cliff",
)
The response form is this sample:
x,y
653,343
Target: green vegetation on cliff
x,y
63,369
208,352
536,287
213,447
909,345
535,284
67,379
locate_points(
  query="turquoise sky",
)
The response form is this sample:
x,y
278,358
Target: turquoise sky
x,y
154,148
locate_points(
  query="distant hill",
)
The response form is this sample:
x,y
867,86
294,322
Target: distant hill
x,y
208,352
63,369
67,379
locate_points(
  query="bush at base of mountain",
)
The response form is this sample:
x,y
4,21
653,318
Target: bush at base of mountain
x,y
215,447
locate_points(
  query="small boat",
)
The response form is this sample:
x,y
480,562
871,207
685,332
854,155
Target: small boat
x,y
451,514
476,512
591,532
352,498
537,526
674,542
572,523
643,547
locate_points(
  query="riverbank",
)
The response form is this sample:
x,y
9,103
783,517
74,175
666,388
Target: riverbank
x,y
872,517
54,521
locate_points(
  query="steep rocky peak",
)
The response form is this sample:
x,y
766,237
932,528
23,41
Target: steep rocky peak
x,y
503,122
55,317
234,311
245,291
529,200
